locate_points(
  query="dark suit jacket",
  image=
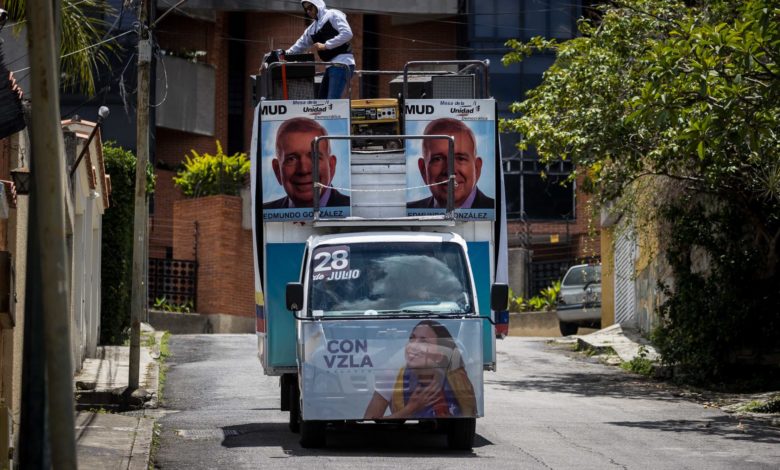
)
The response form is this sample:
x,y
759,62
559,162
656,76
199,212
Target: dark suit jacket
x,y
481,201
336,199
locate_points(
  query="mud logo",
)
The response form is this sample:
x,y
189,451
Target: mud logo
x,y
274,110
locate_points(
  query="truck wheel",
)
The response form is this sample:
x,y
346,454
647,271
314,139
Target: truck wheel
x,y
312,434
295,411
567,328
460,433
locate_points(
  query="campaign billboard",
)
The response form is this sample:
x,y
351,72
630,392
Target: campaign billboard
x,y
472,124
287,130
392,369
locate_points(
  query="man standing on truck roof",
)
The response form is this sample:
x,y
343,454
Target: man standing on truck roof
x,y
293,164
329,34
434,168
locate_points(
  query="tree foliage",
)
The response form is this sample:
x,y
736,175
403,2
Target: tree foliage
x,y
117,245
688,92
207,175
661,88
82,28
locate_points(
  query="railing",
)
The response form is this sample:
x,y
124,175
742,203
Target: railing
x,y
175,280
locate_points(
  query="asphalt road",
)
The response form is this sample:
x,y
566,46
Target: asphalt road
x,y
546,408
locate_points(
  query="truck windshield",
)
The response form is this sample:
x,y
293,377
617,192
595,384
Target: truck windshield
x,y
403,278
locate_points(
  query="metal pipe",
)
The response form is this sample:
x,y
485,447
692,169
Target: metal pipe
x,y
449,214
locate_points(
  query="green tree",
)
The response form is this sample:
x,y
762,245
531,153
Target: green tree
x,y
82,28
687,93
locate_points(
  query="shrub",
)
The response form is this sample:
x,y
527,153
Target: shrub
x,y
207,175
162,303
117,243
546,300
712,318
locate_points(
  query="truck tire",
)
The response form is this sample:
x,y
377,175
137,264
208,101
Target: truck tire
x,y
295,411
567,328
285,382
461,432
312,434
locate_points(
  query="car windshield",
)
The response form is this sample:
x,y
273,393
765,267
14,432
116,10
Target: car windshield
x,y
581,275
399,278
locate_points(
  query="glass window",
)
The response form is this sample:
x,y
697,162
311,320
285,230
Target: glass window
x,y
550,198
390,278
581,275
496,19
484,19
535,18
562,19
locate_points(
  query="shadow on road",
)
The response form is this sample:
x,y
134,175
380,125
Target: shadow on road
x,y
409,440
592,384
728,427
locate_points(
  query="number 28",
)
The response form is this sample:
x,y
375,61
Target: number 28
x,y
327,261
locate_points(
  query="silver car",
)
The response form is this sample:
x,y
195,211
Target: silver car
x,y
579,302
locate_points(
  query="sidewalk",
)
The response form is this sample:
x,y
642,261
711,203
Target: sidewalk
x,y
627,344
106,440
113,441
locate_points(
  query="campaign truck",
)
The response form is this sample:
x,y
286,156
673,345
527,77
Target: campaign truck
x,y
380,267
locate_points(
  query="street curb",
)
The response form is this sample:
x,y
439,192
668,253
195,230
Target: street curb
x,y
142,446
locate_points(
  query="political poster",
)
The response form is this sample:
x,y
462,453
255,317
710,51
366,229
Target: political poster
x,y
472,124
287,130
392,369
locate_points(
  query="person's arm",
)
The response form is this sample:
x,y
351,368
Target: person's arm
x,y
339,22
302,44
376,407
421,397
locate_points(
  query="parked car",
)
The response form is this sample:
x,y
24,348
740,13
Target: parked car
x,y
579,302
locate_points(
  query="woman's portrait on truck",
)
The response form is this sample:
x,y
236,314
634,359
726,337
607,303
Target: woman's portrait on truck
x,y
432,384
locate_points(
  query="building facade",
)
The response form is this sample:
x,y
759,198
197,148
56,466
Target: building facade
x,y
206,51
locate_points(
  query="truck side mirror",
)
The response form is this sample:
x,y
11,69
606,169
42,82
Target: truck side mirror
x,y
294,296
499,297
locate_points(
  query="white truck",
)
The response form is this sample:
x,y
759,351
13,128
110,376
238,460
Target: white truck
x,y
375,278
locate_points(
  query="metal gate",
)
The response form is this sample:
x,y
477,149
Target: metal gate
x,y
625,295
175,280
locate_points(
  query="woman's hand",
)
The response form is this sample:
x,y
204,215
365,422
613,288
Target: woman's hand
x,y
422,396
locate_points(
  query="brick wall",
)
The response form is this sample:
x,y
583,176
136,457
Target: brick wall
x,y
222,249
180,33
581,245
431,40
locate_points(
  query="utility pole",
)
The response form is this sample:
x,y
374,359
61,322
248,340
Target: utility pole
x,y
139,222
48,262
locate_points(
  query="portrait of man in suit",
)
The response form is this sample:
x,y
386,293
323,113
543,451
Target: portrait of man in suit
x,y
468,166
292,165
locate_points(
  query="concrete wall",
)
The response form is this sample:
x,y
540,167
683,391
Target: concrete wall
x,y
87,189
518,271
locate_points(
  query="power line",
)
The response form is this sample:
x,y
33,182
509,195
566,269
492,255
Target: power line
x,y
85,48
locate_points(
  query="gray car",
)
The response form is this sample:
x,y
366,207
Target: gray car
x,y
579,302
